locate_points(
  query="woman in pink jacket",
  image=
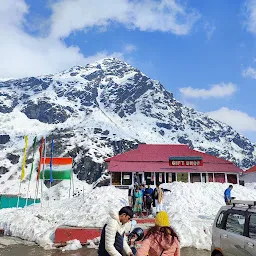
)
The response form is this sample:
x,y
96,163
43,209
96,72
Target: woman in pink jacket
x,y
161,240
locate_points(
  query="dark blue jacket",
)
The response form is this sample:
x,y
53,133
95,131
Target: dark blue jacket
x,y
118,243
149,191
227,194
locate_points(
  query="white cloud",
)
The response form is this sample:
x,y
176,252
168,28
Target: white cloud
x,y
145,15
217,91
23,54
238,120
209,29
249,72
250,16
130,48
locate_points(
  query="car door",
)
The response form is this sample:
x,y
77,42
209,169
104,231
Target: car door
x,y
250,241
232,236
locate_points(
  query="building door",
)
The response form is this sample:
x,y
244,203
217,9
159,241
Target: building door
x,y
195,177
149,178
138,177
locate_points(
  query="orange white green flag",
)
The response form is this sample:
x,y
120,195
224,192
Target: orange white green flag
x,y
61,168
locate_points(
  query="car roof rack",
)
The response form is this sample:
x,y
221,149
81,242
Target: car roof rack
x,y
244,202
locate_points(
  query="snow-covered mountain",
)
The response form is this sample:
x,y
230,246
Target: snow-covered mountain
x,y
102,109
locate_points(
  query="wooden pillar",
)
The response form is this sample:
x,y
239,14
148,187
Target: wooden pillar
x,y
226,178
121,178
201,177
188,177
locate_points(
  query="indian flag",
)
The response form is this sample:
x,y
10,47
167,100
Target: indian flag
x,y
61,168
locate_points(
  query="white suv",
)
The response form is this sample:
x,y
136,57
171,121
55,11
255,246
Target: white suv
x,y
234,230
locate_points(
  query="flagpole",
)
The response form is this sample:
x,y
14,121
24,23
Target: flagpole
x,y
31,170
42,180
39,169
51,177
18,201
73,182
69,187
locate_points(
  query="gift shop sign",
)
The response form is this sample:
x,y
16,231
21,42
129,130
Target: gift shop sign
x,y
183,161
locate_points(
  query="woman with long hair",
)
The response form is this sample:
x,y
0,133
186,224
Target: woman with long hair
x,y
160,240
138,196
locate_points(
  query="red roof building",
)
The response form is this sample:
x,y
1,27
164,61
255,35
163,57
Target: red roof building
x,y
249,176
251,170
154,163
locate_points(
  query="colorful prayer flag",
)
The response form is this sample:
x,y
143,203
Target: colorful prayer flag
x,y
40,157
24,158
34,151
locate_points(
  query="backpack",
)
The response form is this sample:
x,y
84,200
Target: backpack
x,y
149,200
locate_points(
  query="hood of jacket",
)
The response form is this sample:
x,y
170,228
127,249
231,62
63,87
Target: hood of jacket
x,y
114,216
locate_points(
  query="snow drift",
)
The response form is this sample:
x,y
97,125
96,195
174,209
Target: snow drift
x,y
191,208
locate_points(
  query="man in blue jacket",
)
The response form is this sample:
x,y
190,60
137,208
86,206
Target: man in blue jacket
x,y
227,195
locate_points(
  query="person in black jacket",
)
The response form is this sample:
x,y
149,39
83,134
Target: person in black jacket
x,y
112,241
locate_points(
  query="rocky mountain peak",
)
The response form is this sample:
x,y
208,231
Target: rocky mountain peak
x,y
105,108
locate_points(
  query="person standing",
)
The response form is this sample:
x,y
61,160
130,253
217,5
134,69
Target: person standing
x,y
227,195
158,198
130,196
138,196
142,189
136,178
160,239
112,241
148,195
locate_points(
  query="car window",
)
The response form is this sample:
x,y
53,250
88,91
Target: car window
x,y
252,226
235,223
219,220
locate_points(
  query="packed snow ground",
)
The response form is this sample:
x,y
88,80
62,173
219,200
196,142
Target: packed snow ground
x,y
191,208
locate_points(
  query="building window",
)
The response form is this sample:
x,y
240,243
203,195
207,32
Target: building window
x,y
210,177
219,177
160,177
170,177
149,178
182,177
195,177
116,178
126,178
232,178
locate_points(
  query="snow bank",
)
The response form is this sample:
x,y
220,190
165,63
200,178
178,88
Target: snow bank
x,y
72,245
191,208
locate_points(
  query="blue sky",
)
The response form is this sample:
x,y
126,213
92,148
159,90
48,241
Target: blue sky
x,y
201,51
